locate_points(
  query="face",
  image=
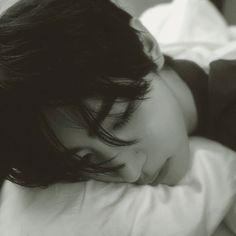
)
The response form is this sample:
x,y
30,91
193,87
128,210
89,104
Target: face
x,y
161,154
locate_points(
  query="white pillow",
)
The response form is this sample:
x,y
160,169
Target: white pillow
x,y
195,207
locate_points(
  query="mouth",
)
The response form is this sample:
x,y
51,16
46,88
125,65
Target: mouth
x,y
157,178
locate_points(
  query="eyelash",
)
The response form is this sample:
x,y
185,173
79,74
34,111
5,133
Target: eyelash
x,y
122,123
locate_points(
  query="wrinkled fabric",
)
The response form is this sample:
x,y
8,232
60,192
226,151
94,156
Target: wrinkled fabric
x,y
194,207
191,29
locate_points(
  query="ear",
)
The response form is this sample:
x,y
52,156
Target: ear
x,y
151,47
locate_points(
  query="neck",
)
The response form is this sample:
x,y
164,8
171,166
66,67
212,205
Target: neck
x,y
183,95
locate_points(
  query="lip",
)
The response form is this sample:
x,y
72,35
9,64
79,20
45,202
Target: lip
x,y
159,175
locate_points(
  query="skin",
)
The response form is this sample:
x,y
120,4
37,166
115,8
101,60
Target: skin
x,y
160,123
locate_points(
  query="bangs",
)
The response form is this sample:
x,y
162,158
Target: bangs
x,y
86,50
84,117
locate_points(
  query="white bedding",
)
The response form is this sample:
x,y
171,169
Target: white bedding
x,y
191,29
195,207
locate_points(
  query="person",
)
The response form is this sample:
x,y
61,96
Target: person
x,y
87,94
118,95
68,70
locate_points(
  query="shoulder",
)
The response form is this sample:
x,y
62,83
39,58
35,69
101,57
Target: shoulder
x,y
187,70
197,81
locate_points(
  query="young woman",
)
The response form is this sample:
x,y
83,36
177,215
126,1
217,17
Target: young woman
x,y
83,86
86,94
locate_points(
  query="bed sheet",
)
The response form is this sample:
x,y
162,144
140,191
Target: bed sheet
x,y
95,208
191,29
193,208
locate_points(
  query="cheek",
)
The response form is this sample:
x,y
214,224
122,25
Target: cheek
x,y
164,131
166,139
173,132
165,120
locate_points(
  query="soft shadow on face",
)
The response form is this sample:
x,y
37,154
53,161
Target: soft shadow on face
x,y
161,153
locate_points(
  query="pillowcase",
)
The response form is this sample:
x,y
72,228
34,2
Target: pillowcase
x,y
196,206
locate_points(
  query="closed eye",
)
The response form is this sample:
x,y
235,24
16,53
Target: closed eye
x,y
124,119
121,123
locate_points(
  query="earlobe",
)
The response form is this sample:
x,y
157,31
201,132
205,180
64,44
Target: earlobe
x,y
151,47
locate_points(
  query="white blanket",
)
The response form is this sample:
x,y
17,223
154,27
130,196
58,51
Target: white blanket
x,y
191,29
195,207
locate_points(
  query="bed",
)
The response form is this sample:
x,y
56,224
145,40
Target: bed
x,y
211,37
101,209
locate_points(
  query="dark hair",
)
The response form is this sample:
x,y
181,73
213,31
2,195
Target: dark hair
x,y
58,53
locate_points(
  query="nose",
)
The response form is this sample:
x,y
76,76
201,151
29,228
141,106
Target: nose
x,y
134,162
